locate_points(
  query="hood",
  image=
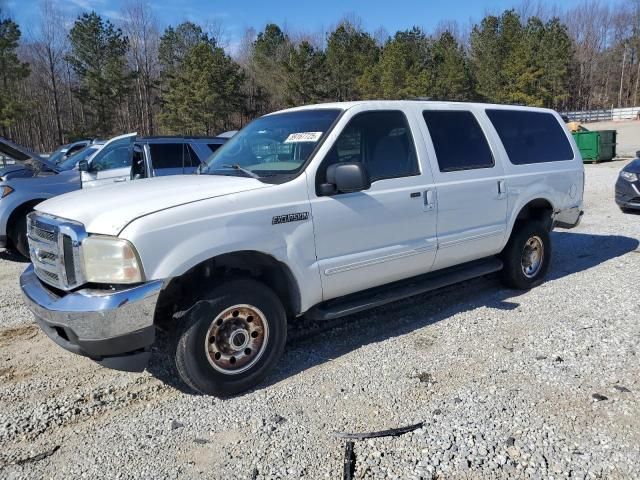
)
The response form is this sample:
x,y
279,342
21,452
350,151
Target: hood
x,y
107,210
17,170
22,155
633,166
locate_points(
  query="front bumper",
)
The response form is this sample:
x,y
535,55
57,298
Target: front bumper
x,y
627,194
114,328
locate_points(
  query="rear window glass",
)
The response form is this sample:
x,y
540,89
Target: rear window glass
x,y
458,140
214,146
531,137
166,155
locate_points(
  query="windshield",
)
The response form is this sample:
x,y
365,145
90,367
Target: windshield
x,y
277,144
73,160
57,155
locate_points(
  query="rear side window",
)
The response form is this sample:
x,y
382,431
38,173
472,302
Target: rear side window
x,y
166,155
531,137
458,140
381,140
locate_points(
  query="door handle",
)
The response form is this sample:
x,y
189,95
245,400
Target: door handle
x,y
118,180
502,189
429,199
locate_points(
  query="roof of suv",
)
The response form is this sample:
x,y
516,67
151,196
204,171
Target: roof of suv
x,y
400,103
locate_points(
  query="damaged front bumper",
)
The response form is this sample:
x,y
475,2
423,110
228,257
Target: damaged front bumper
x,y
114,328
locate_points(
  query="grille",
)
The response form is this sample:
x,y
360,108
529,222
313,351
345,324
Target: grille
x,y
53,247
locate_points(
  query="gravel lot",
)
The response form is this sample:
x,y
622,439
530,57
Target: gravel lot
x,y
542,384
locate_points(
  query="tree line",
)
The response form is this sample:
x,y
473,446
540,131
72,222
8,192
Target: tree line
x,y
99,78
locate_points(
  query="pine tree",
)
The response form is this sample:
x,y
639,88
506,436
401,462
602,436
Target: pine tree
x,y
349,52
204,93
12,70
451,73
306,75
97,57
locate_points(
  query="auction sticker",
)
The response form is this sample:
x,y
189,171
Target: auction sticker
x,y
303,137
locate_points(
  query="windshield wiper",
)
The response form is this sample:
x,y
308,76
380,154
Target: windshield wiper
x,y
249,173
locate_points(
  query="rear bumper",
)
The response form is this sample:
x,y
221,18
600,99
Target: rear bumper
x,y
115,329
568,218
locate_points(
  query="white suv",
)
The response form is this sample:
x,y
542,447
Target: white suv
x,y
321,210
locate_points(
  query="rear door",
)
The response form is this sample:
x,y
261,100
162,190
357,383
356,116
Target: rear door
x,y
112,164
471,188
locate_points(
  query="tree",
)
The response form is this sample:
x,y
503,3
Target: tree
x,y
451,74
306,75
350,51
270,53
142,32
176,43
98,59
12,70
48,49
204,93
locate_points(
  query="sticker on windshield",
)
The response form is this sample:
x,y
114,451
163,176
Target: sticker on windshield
x,y
303,137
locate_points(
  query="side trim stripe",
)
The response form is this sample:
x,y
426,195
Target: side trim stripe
x,y
378,260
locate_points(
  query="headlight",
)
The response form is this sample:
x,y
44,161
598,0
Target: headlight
x,y
629,176
110,260
6,190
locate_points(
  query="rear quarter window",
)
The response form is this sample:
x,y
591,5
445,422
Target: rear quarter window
x,y
531,137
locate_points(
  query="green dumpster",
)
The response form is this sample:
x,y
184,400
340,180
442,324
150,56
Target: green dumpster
x,y
596,146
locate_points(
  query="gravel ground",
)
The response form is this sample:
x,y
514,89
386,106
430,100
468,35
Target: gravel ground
x,y
542,384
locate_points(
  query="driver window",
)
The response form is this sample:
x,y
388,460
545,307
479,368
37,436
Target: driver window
x,y
380,140
117,155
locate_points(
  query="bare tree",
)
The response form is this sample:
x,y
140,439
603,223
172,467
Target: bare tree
x,y
141,28
48,49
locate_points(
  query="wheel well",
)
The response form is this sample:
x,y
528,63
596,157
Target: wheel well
x,y
21,211
183,291
538,209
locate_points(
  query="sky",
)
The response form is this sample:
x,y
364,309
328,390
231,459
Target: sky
x,y
236,16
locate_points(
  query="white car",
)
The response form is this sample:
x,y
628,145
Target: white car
x,y
322,210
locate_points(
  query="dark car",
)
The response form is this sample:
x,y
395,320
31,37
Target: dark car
x,y
628,186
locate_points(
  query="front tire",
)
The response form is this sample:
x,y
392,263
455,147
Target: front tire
x,y
527,256
18,236
229,343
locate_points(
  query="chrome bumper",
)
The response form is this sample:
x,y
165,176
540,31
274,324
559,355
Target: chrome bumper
x,y
96,323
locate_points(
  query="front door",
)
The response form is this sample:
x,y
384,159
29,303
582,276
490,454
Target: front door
x,y
471,198
112,164
386,233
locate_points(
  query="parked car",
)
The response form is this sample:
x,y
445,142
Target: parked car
x,y
322,210
65,151
119,160
628,186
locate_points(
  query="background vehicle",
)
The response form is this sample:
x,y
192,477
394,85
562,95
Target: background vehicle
x,y
322,211
119,160
628,186
65,151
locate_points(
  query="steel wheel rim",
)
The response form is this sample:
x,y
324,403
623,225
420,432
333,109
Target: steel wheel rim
x,y
532,256
236,339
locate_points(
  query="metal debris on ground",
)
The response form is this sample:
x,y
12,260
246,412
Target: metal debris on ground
x,y
38,457
384,433
349,461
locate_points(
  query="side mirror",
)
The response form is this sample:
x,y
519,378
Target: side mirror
x,y
346,177
83,166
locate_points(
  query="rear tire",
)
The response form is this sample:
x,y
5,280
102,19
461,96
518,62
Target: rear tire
x,y
229,343
527,256
18,236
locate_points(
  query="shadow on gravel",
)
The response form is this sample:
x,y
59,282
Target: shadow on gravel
x,y
12,256
314,343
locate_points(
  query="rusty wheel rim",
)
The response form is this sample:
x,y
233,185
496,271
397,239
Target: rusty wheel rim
x,y
236,339
532,256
